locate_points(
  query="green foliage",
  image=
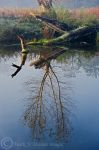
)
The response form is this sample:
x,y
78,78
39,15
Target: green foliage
x,y
11,28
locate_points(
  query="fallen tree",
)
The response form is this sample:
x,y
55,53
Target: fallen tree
x,y
82,34
68,35
55,23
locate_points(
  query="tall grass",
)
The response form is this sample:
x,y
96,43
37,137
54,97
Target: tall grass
x,y
15,12
87,12
79,17
22,12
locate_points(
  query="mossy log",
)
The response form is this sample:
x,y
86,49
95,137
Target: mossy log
x,y
82,34
67,33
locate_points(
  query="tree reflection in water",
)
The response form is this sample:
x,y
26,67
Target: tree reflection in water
x,y
48,109
47,113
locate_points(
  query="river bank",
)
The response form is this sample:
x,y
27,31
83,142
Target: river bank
x,y
14,22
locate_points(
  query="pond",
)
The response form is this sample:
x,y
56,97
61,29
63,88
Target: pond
x,y
52,101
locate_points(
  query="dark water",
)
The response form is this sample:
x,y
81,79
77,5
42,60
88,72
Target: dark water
x,y
52,106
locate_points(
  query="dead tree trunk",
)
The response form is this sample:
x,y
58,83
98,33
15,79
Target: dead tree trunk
x,y
56,24
67,34
83,34
45,3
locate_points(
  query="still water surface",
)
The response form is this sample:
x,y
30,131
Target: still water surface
x,y
54,105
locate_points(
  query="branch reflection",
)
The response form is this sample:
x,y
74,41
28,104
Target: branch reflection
x,y
47,113
49,108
